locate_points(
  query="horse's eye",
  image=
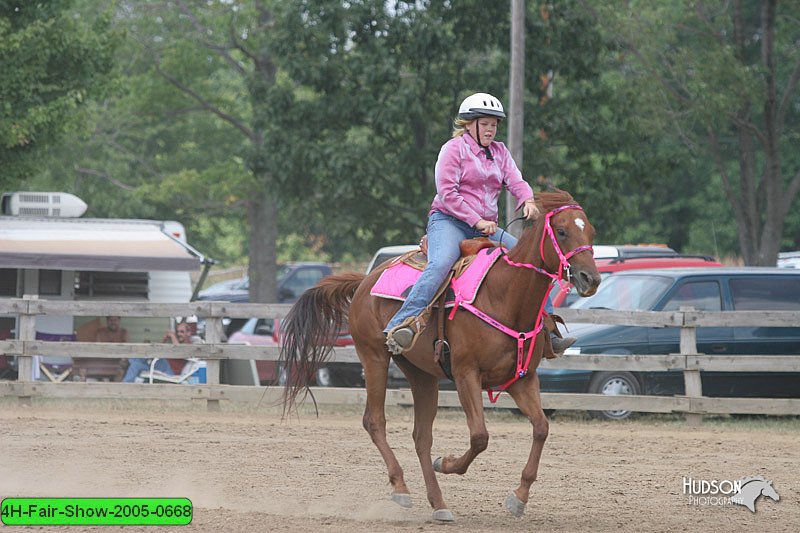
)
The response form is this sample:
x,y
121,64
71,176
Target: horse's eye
x,y
561,232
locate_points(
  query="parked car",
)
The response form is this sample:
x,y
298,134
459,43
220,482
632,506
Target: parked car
x,y
612,251
293,280
266,332
389,252
705,289
789,260
607,266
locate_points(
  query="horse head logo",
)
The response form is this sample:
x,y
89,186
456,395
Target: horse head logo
x,y
752,488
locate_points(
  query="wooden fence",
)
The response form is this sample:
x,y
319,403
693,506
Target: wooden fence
x,y
693,404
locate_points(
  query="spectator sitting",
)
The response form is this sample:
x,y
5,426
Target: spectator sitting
x,y
183,334
113,332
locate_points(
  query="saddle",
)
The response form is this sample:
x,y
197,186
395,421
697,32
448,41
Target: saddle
x,y
417,259
397,284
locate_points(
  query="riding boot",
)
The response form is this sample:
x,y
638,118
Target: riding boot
x,y
555,344
560,344
404,336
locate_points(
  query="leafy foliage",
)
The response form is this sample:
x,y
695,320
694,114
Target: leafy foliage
x,y
54,61
295,129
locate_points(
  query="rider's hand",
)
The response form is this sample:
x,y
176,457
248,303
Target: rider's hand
x,y
486,227
529,210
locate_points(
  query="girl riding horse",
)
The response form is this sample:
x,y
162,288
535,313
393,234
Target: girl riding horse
x,y
485,351
471,171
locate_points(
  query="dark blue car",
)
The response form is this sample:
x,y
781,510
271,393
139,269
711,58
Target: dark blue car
x,y
717,289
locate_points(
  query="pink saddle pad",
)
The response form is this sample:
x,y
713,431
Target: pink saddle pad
x,y
396,281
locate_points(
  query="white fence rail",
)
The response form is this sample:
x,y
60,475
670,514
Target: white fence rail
x,y
693,404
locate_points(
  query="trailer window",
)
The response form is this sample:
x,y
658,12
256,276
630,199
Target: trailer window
x,y
111,284
50,283
8,282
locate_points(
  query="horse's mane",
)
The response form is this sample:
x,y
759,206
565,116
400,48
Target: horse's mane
x,y
547,201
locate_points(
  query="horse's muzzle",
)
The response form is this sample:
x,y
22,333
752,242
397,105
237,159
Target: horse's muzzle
x,y
586,283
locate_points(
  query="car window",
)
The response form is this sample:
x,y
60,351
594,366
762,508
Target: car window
x,y
702,295
283,271
573,296
380,258
302,280
627,293
249,326
780,293
264,326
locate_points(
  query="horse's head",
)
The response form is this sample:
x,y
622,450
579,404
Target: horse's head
x,y
566,242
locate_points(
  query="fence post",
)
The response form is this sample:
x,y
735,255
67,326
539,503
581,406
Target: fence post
x,y
691,376
213,336
27,334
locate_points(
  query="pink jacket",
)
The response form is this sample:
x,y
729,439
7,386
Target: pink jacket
x,y
468,184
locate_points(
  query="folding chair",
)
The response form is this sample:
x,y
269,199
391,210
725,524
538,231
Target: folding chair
x,y
54,368
193,372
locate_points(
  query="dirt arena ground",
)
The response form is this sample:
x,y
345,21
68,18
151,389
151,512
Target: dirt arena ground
x,y
246,470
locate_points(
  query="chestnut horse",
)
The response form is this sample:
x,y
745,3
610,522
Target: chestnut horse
x,y
481,356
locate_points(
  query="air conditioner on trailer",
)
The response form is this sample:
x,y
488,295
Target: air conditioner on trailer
x,y
43,204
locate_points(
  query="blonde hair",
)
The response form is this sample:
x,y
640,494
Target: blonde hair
x,y
460,126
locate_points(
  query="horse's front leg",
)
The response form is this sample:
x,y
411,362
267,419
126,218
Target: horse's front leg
x,y
526,395
469,394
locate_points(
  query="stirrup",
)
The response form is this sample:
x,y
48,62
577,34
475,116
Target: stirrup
x,y
416,324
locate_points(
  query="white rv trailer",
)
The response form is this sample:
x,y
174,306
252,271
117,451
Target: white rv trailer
x,y
49,256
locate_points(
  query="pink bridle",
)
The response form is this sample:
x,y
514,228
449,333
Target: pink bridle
x,y
523,360
563,259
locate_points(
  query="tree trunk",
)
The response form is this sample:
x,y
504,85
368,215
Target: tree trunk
x,y
761,227
262,217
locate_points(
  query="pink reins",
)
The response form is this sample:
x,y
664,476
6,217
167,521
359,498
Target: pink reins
x,y
524,360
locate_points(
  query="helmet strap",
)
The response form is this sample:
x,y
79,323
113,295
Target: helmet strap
x,y
480,143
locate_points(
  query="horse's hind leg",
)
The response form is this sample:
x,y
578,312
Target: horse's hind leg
x,y
469,394
374,421
425,389
526,395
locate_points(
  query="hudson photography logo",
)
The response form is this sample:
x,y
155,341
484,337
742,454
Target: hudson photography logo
x,y
728,492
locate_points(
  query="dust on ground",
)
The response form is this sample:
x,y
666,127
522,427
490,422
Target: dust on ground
x,y
247,470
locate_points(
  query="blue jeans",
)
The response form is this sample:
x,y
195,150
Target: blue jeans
x,y
137,364
444,235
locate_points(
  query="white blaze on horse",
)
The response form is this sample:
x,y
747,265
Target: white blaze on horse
x,y
496,342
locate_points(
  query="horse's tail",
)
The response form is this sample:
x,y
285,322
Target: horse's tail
x,y
310,329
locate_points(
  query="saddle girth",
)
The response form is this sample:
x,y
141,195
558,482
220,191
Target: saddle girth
x,y
441,348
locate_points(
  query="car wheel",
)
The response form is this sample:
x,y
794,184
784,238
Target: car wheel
x,y
613,384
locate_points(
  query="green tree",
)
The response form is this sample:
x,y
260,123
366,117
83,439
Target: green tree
x,y
54,59
724,75
343,135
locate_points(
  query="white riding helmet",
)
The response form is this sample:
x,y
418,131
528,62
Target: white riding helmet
x,y
480,105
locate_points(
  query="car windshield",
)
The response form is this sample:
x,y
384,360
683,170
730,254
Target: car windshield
x,y
573,296
283,271
626,293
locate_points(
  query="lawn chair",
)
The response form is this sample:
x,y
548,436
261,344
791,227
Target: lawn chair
x,y
192,373
55,368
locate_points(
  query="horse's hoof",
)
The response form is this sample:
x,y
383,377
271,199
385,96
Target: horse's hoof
x,y
437,465
514,505
442,515
402,499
